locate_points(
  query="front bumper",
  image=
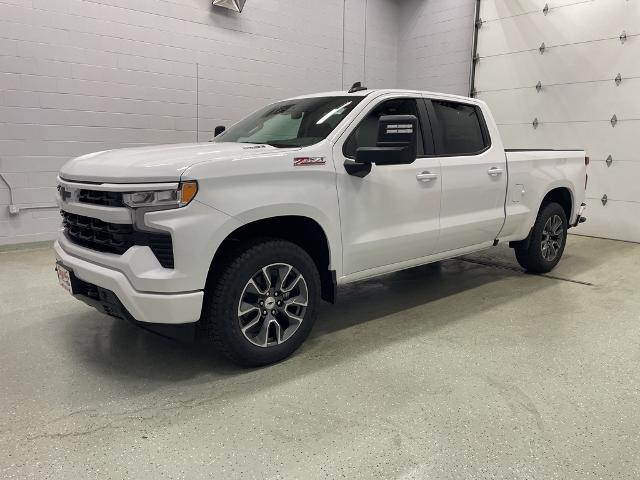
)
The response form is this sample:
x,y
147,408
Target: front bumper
x,y
167,308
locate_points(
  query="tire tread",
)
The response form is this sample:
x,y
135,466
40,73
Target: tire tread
x,y
212,327
530,257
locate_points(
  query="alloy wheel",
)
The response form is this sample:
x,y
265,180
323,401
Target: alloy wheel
x,y
552,238
272,305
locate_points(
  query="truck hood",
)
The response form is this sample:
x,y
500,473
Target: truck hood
x,y
160,163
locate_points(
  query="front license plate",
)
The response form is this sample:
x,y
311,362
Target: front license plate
x,y
64,278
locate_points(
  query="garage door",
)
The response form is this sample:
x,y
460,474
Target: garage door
x,y
566,74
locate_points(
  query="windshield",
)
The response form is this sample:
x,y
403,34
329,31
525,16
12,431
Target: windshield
x,y
292,123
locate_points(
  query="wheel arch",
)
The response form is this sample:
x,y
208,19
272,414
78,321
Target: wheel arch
x,y
302,230
563,195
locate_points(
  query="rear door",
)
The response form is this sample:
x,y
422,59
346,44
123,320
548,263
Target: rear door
x,y
474,175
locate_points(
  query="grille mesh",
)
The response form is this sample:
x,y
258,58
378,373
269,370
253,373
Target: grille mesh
x,y
98,197
115,237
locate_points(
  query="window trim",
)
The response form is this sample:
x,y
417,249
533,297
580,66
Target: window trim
x,y
426,122
422,117
436,127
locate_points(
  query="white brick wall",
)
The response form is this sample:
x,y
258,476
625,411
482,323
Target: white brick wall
x,y
78,76
434,50
380,32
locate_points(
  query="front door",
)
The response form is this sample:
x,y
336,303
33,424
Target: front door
x,y
392,214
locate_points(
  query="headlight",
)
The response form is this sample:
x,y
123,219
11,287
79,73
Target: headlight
x,y
178,197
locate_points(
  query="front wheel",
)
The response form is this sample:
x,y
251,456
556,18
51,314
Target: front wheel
x,y
547,241
263,304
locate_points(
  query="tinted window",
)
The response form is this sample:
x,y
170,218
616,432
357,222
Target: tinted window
x,y
459,128
366,134
292,123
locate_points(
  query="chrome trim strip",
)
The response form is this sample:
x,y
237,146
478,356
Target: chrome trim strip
x,y
118,187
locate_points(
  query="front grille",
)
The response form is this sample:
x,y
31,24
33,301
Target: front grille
x,y
98,197
116,237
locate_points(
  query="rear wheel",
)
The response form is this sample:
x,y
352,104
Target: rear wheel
x,y
546,244
263,304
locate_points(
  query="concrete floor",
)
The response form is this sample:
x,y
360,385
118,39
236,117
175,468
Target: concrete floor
x,y
470,369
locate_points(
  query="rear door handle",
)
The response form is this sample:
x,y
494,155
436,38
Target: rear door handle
x,y
495,171
427,176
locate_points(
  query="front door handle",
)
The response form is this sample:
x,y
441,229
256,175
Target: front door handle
x,y
495,171
427,176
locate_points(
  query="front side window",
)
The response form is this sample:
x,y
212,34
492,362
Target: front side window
x,y
292,123
366,134
459,128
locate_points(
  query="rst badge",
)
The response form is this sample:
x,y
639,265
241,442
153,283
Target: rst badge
x,y
308,161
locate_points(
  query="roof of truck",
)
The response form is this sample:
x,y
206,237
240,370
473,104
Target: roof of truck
x,y
379,91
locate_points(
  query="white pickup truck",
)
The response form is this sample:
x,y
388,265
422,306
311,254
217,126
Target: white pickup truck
x,y
246,234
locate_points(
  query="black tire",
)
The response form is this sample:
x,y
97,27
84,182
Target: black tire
x,y
220,325
530,254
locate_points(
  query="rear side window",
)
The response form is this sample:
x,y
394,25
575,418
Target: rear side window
x,y
460,128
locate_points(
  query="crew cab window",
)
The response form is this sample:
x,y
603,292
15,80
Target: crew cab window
x,y
366,133
459,128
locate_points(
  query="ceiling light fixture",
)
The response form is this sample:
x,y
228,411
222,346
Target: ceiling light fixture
x,y
235,5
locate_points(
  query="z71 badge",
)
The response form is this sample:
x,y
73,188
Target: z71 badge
x,y
307,161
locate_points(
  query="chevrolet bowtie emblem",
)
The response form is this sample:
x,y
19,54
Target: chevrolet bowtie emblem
x,y
64,193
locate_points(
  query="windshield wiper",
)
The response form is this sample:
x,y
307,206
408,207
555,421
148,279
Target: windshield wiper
x,y
281,145
273,144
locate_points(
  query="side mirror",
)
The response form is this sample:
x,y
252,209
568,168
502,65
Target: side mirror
x,y
219,129
397,142
396,145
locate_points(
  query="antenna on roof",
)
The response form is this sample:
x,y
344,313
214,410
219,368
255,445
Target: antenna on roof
x,y
357,87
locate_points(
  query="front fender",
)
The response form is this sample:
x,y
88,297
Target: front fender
x,y
300,210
